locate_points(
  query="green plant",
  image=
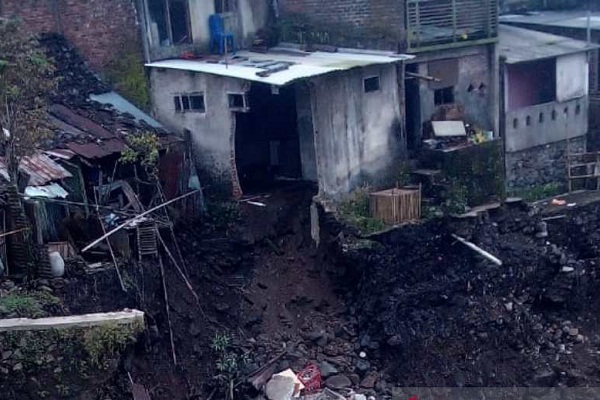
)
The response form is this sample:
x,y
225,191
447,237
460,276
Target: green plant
x,y
456,198
356,212
229,361
538,192
403,175
126,73
143,148
222,214
102,342
22,305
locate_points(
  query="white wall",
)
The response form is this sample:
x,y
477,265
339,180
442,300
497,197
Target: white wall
x,y
356,133
572,75
212,132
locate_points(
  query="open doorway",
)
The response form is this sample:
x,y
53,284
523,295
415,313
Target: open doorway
x,y
413,108
267,145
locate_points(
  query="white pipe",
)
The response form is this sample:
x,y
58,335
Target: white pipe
x,y
479,250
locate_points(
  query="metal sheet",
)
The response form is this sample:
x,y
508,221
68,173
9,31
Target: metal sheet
x,y
448,128
52,191
70,117
120,104
301,64
40,169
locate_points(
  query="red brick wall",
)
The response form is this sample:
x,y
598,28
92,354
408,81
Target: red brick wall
x,y
99,28
379,23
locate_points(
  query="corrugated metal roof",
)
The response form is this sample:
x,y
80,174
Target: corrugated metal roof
x,y
521,45
40,169
122,105
60,153
97,150
69,117
564,19
300,65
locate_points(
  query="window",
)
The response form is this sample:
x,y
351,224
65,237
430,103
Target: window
x,y
193,102
578,109
515,123
528,120
238,101
553,115
541,118
169,22
223,6
444,96
371,84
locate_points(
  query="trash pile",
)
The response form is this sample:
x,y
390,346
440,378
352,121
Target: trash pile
x,y
308,384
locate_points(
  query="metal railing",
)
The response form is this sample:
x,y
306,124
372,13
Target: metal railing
x,y
449,23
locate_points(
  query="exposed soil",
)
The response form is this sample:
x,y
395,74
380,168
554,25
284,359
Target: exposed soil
x,y
423,309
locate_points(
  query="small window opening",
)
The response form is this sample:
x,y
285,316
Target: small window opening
x,y
238,101
553,115
189,103
482,87
371,84
470,88
515,123
223,6
566,111
541,118
444,96
528,120
578,109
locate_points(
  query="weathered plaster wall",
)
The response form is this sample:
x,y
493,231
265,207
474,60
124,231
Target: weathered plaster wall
x,y
97,27
540,165
546,123
571,76
246,19
306,132
357,135
477,65
212,132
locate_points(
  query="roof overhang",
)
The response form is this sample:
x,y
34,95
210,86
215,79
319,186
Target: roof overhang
x,y
300,65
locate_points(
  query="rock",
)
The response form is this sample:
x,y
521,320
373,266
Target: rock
x,y
369,381
46,289
579,338
567,269
322,342
327,369
280,388
545,377
362,365
18,367
355,379
360,397
573,332
6,354
509,306
315,336
338,382
394,341
222,307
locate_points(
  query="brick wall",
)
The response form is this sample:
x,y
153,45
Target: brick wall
x,y
99,28
356,23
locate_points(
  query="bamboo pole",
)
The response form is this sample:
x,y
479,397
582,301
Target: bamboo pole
x,y
134,219
478,250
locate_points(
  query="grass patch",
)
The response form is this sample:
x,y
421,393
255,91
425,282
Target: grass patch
x,y
356,212
24,306
538,192
102,342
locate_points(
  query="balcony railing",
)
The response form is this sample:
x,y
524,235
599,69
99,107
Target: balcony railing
x,y
435,24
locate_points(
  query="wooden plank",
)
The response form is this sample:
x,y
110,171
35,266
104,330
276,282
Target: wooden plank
x,y
85,320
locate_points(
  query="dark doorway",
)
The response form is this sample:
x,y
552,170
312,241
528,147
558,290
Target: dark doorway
x,y
413,108
267,146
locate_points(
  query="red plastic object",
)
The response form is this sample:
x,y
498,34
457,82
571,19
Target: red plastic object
x,y
310,378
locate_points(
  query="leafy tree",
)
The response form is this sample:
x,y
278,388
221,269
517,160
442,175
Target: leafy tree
x,y
26,80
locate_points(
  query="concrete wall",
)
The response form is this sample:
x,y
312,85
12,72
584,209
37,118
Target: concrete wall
x,y
375,24
571,76
540,165
306,132
96,27
247,18
548,123
212,132
477,65
357,134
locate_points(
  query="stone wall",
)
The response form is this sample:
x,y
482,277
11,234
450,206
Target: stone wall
x,y
539,166
348,23
98,28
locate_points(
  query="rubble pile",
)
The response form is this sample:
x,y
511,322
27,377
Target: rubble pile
x,y
435,313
